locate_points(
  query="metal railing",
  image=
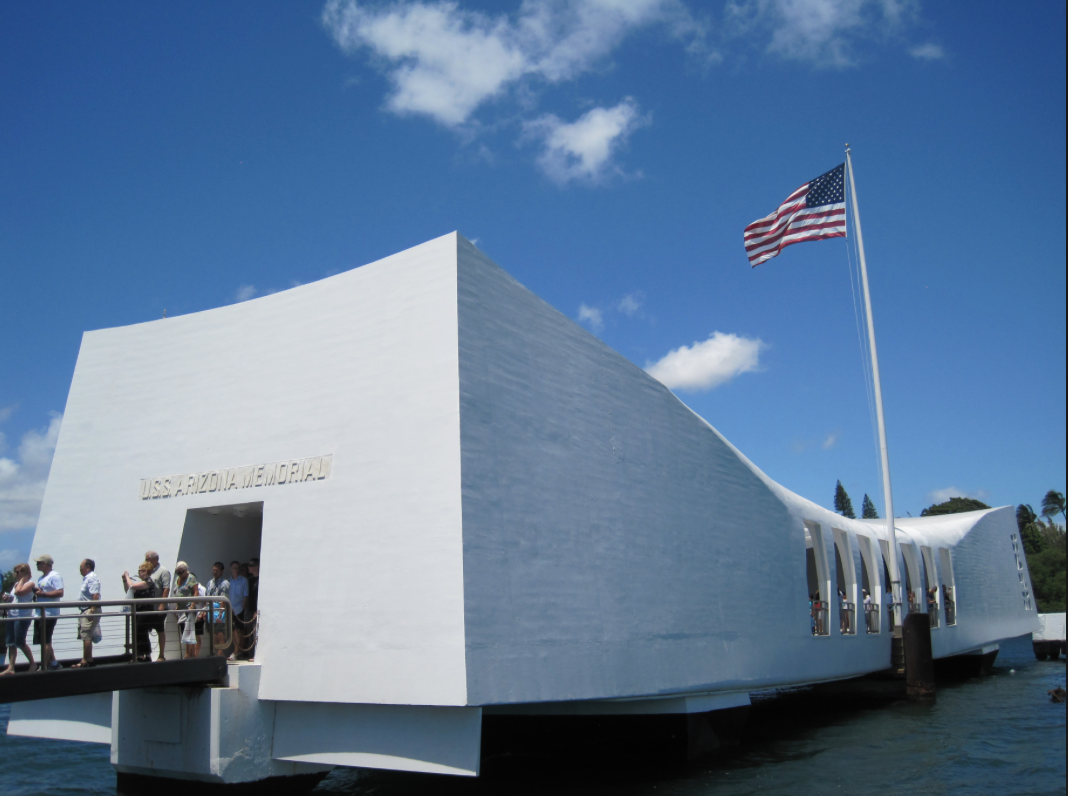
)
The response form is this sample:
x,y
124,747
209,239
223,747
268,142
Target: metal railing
x,y
847,618
129,624
871,617
915,608
891,612
820,619
951,612
932,611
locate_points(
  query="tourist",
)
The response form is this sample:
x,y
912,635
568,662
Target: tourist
x,y
843,613
21,592
218,586
252,608
162,579
5,598
238,593
142,587
49,589
201,616
89,621
185,585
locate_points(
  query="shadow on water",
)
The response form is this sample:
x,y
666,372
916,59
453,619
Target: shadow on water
x,y
998,733
992,734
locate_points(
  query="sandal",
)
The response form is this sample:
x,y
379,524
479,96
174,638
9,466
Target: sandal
x,y
83,665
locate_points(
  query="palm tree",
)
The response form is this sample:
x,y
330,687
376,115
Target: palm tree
x,y
1025,516
1053,503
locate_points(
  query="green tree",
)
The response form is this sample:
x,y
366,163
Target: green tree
x,y
842,504
867,509
1030,531
9,580
954,505
1052,504
1047,570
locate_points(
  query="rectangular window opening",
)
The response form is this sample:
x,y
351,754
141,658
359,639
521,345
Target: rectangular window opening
x,y
949,588
846,574
931,593
819,581
221,534
871,594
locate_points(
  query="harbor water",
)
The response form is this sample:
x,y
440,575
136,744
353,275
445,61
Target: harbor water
x,y
994,734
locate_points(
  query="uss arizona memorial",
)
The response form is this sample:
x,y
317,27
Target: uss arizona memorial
x,y
465,505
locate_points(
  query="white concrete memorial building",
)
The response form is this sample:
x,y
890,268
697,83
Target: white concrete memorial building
x,y
464,505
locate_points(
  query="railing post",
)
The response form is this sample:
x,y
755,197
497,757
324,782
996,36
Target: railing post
x,y
136,640
43,631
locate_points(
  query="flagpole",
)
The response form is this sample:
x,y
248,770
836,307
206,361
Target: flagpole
x,y
888,498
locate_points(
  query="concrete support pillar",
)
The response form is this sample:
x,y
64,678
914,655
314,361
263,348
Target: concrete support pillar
x,y
221,736
919,659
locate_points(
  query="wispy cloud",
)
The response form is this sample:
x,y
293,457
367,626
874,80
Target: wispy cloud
x,y
822,32
942,495
446,62
596,316
631,304
707,364
244,293
830,440
455,65
22,479
592,317
583,150
6,412
928,52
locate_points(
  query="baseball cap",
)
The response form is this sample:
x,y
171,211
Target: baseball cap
x,y
44,558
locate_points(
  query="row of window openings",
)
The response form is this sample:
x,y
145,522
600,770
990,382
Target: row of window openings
x,y
939,599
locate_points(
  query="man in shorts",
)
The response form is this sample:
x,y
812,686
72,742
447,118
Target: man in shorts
x,y
158,622
49,589
89,621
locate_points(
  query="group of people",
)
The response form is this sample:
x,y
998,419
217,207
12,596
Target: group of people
x,y
241,588
48,588
152,581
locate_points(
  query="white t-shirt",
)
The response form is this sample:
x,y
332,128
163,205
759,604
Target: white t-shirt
x,y
50,582
90,586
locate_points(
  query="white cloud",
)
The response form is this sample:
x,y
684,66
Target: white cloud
x,y
592,317
928,52
445,62
583,150
5,413
8,559
942,495
707,364
22,479
830,440
825,32
244,293
631,303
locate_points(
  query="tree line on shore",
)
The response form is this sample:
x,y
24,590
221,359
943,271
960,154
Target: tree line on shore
x,y
1041,535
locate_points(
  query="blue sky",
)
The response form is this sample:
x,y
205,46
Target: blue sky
x,y
606,154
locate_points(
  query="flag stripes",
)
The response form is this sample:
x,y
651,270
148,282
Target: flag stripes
x,y
814,211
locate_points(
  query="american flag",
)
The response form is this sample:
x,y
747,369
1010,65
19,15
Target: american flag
x,y
814,211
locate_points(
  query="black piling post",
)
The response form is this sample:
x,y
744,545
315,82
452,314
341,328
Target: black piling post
x,y
919,660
